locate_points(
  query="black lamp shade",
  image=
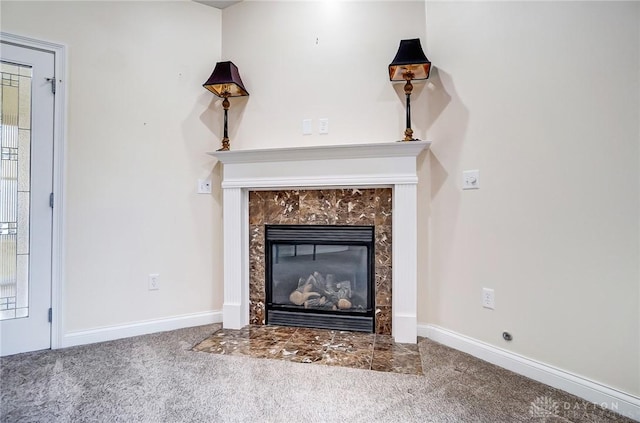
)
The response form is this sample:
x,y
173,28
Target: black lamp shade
x,y
225,81
409,58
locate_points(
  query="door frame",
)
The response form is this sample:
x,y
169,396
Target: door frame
x,y
59,172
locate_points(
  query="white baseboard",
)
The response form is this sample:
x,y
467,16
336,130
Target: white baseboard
x,y
612,399
109,333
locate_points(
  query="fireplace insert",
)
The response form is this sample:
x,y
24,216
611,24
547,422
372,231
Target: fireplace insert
x,y
320,276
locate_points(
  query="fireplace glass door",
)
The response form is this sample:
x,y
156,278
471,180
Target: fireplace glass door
x,y
320,276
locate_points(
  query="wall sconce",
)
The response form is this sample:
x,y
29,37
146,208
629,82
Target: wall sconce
x,y
225,82
409,64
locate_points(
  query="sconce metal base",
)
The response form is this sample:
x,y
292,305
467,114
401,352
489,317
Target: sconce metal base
x,y
408,88
225,145
225,140
408,135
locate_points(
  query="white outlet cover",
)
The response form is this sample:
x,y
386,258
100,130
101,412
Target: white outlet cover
x,y
204,186
154,282
471,179
488,298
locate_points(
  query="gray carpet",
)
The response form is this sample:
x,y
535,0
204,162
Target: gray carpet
x,y
157,378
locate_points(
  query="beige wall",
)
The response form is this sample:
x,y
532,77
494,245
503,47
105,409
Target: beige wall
x,y
543,98
138,128
319,60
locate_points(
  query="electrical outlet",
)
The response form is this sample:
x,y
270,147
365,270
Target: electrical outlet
x,y
154,282
204,186
488,298
471,179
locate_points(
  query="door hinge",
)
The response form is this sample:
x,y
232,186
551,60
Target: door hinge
x,y
53,84
50,314
51,200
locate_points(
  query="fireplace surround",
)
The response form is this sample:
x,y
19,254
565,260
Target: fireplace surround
x,y
326,206
376,165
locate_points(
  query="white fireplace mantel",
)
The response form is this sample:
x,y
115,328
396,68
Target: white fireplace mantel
x,y
337,166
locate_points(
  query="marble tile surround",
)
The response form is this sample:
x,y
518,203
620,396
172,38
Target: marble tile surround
x,y
371,206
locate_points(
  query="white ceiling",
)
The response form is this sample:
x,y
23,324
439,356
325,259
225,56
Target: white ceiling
x,y
219,4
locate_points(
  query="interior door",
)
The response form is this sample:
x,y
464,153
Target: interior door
x,y
26,183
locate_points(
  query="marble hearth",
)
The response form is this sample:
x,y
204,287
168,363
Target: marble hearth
x,y
380,171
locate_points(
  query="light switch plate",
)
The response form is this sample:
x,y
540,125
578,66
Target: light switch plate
x,y
323,126
306,127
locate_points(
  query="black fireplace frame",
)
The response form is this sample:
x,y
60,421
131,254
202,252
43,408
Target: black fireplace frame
x,y
283,315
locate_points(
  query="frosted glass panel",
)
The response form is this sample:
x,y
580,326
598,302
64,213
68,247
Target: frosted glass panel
x,y
22,247
15,158
24,105
22,281
24,164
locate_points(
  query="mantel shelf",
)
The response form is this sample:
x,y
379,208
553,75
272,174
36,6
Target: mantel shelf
x,y
324,152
